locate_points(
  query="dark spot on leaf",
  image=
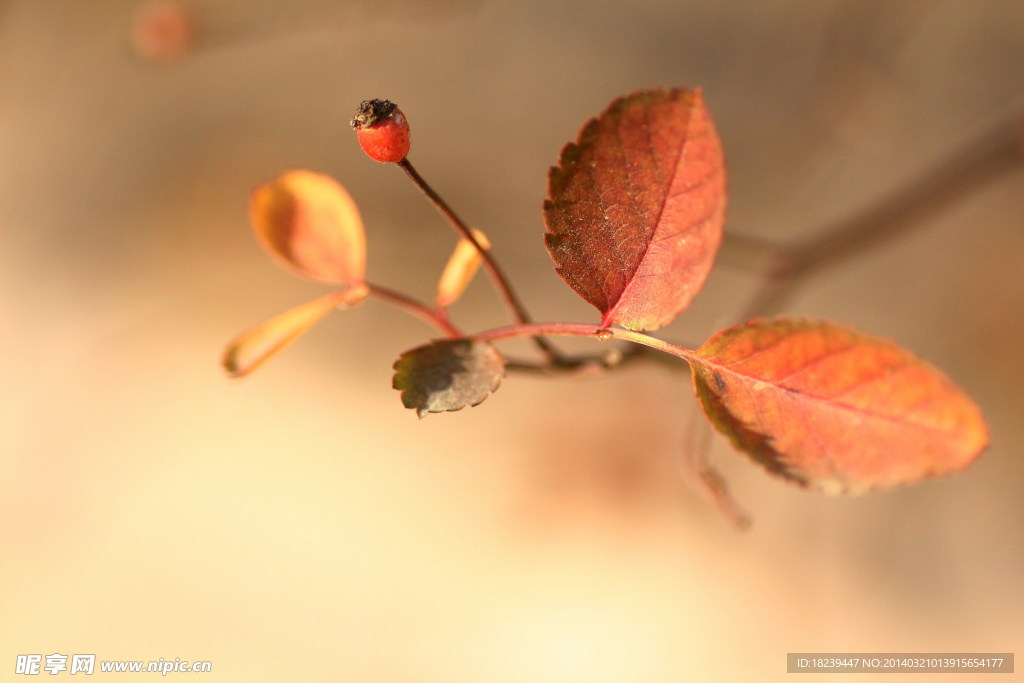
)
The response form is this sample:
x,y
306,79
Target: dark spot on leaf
x,y
719,381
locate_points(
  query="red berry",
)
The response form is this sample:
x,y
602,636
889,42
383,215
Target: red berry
x,y
382,129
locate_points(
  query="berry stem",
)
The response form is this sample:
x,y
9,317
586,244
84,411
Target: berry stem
x,y
495,272
419,309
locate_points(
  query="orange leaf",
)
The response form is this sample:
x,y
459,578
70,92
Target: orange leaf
x,y
636,207
462,266
250,349
310,224
835,410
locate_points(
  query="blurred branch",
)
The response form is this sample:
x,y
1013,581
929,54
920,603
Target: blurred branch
x,y
979,163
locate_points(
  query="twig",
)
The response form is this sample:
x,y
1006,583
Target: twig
x,y
982,161
416,308
501,282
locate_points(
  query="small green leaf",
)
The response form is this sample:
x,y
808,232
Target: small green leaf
x,y
448,375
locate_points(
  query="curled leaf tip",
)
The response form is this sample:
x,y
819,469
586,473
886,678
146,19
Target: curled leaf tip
x,y
460,269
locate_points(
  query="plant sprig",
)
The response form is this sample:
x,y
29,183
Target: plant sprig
x,y
634,215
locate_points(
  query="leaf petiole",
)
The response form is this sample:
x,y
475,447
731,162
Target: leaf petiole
x,y
438,318
431,316
583,330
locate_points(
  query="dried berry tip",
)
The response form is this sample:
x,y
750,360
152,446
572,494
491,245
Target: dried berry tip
x,y
371,112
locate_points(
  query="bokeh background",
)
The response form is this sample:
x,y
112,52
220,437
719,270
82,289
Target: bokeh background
x,y
301,525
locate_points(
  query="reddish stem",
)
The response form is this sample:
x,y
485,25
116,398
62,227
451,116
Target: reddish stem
x,y
582,330
438,318
417,308
497,276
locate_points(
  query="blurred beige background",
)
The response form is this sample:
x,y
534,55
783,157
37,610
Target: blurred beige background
x,y
300,525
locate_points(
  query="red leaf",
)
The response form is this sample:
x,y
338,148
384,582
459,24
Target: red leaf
x,y
833,409
165,30
448,375
637,206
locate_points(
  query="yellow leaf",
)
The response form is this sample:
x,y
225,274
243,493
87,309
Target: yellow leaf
x,y
250,349
462,266
310,224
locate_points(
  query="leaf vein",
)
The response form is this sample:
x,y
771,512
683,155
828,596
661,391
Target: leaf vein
x,y
746,379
